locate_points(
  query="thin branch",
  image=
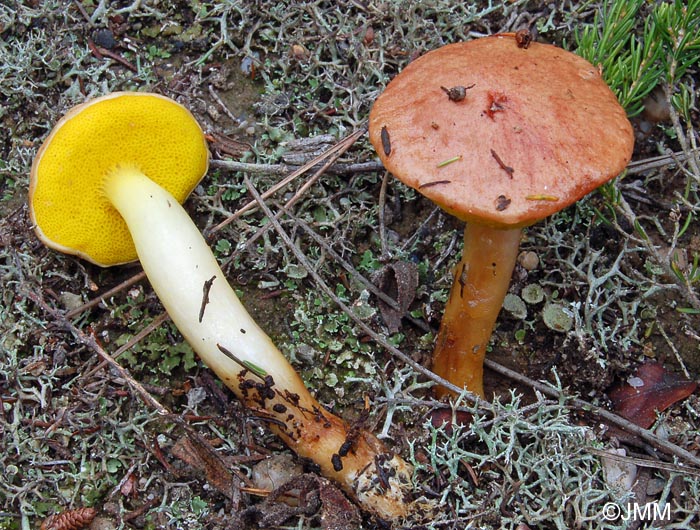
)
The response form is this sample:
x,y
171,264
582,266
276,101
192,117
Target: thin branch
x,y
106,295
644,462
357,275
150,328
360,323
215,96
89,340
633,168
328,157
632,428
252,168
346,264
331,155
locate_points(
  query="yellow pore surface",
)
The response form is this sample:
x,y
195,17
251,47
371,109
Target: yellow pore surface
x,y
121,131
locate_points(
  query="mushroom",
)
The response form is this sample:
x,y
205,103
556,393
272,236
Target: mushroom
x,y
107,185
538,130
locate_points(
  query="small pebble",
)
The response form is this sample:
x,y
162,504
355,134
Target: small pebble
x,y
528,260
105,39
70,301
275,471
619,474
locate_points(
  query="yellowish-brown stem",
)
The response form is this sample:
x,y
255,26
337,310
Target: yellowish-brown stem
x,y
481,282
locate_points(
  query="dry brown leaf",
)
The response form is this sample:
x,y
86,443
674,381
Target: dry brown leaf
x,y
399,281
197,453
651,389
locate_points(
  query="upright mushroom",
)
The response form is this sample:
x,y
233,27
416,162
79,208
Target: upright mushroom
x,y
536,130
107,185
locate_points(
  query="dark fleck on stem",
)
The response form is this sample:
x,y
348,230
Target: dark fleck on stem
x,y
345,448
382,474
337,462
354,433
205,296
462,280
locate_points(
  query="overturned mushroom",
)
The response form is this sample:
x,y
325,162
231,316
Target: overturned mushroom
x,y
538,130
107,185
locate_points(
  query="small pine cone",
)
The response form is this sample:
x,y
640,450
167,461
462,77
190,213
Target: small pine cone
x,y
70,519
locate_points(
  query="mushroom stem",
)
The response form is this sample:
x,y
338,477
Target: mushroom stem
x,y
189,282
481,282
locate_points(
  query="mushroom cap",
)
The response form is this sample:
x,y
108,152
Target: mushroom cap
x,y
147,132
537,131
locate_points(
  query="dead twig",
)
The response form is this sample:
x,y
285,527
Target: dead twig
x,y
91,342
133,341
215,96
365,328
345,264
663,445
357,275
100,53
645,462
252,168
106,295
335,153
641,166
329,157
138,512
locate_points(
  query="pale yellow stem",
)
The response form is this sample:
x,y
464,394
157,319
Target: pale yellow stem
x,y
189,282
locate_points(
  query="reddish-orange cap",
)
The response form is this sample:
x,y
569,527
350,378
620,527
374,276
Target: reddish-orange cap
x,y
537,128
